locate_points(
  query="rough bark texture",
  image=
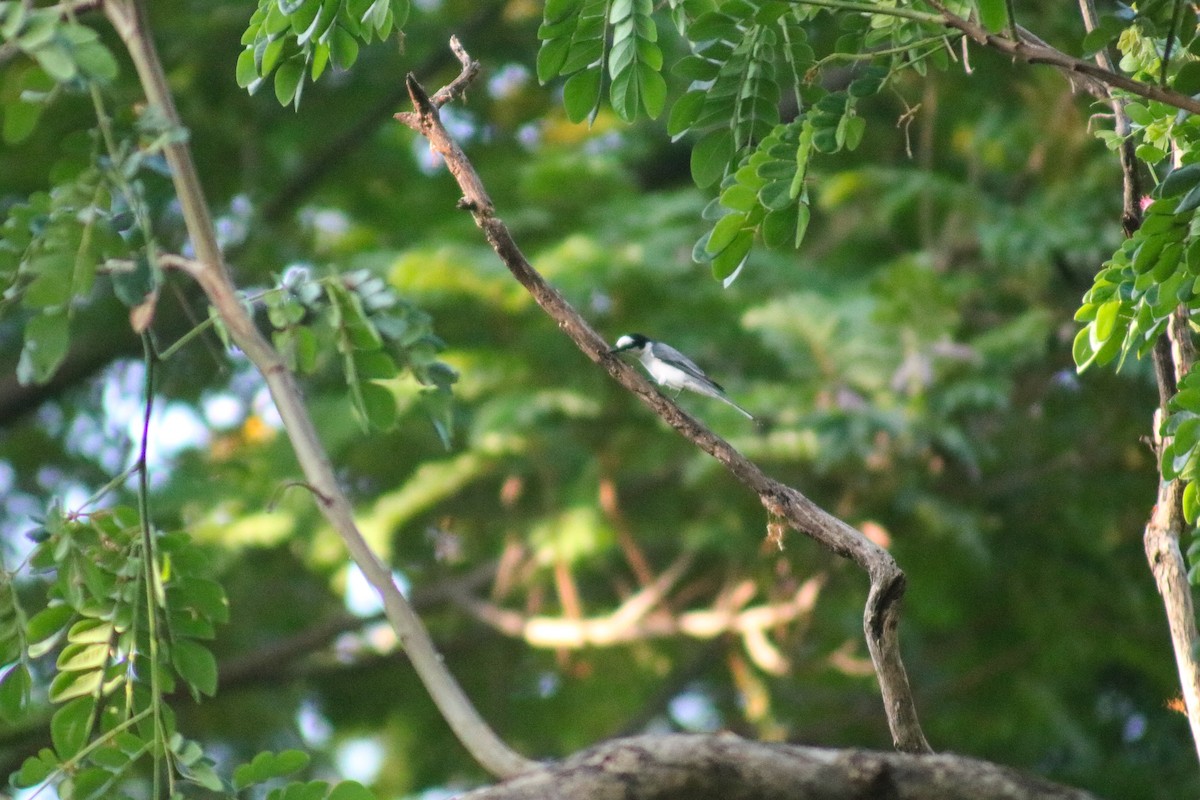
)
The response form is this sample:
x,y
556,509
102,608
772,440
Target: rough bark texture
x,y
725,767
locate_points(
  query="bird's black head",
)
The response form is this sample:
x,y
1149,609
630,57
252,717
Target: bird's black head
x,y
630,341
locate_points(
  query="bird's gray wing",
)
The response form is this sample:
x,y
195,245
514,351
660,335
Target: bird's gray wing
x,y
678,359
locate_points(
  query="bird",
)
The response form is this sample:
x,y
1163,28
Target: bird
x,y
672,368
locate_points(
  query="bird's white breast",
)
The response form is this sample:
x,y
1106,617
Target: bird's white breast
x,y
665,374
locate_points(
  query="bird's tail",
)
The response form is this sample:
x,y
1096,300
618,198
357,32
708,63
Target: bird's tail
x,y
735,405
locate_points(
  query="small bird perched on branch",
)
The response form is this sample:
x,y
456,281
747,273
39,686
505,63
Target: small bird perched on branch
x,y
672,368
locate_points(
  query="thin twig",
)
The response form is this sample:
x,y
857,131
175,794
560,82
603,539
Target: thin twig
x,y
881,616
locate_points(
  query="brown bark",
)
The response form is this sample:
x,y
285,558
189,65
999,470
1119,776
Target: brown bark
x,y
725,767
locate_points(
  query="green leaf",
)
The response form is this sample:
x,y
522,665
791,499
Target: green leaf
x,y
36,769
41,27
653,89
372,365
343,48
205,596
46,342
46,627
69,685
779,228
376,406
69,727
97,61
51,285
713,25
133,286
375,17
90,631
82,657
203,774
1108,29
724,232
14,17
14,693
739,197
1187,80
56,59
320,60
1081,349
265,766
623,93
307,348
1106,321
1191,502
851,130
89,783
195,664
271,55
993,14
110,757
561,9
581,94
400,9
1185,438
684,113
710,157
729,261
696,68
776,195
1190,201
20,120
1147,253
803,213
287,80
1179,180
351,790
551,57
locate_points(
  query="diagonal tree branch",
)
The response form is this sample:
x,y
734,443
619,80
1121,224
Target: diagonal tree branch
x,y
129,19
887,581
1032,50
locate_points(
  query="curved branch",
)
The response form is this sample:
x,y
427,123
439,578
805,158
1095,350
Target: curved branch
x,y
887,581
129,19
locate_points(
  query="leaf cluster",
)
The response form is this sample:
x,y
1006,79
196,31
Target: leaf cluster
x,y
297,40
378,335
65,55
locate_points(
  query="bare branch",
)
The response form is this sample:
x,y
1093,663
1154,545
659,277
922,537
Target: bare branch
x,y
129,19
726,767
887,581
1032,50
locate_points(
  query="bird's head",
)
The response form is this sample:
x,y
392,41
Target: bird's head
x,y
630,342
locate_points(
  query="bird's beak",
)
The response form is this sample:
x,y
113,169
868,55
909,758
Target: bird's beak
x,y
615,350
